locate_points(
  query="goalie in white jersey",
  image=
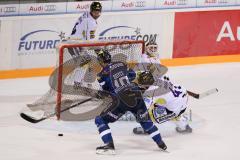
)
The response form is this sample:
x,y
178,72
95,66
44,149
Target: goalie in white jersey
x,y
84,30
165,101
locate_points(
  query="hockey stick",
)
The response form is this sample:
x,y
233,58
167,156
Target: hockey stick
x,y
34,120
203,94
41,104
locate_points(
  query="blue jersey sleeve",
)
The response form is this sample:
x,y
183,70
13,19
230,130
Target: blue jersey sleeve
x,y
104,79
131,75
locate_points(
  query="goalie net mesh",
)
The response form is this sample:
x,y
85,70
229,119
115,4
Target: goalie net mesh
x,y
68,71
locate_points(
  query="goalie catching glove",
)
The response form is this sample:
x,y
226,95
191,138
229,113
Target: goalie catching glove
x,y
145,78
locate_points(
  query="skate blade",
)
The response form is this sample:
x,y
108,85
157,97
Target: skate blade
x,y
165,151
106,152
187,131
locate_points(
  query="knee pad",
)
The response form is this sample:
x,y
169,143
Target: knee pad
x,y
99,121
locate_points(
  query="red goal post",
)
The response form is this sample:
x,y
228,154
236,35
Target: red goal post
x,y
129,50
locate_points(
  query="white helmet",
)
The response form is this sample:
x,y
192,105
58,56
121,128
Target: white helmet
x,y
151,49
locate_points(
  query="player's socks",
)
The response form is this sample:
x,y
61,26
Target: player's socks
x,y
152,130
154,133
104,130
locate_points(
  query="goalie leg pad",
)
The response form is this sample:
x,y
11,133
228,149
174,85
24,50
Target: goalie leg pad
x,y
160,114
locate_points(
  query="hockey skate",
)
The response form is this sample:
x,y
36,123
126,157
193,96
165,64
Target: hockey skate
x,y
187,129
107,149
139,131
162,146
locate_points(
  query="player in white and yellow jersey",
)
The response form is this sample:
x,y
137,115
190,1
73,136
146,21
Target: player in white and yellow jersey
x,y
86,25
84,30
165,100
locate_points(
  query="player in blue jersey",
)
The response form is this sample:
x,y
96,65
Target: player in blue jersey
x,y
115,78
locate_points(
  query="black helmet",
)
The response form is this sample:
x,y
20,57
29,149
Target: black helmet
x,y
104,56
96,6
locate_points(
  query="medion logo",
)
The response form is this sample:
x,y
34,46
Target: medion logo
x,y
27,43
135,34
227,32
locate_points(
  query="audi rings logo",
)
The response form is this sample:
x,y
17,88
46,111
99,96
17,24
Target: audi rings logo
x,y
140,4
10,9
50,8
182,2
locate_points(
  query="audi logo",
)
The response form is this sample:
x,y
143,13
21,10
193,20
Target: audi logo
x,y
182,2
10,9
140,4
50,8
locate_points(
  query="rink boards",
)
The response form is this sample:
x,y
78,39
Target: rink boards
x,y
27,43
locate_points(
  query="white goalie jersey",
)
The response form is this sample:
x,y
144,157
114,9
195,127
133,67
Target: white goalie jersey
x,y
150,60
85,27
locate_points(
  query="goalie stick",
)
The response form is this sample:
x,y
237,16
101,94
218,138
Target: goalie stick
x,y
34,120
203,94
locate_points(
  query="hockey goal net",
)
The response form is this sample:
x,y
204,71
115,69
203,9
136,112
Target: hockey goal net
x,y
77,62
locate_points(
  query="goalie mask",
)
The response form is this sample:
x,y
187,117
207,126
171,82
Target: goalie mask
x,y
151,49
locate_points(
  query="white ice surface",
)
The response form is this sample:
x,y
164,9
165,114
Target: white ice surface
x,y
216,123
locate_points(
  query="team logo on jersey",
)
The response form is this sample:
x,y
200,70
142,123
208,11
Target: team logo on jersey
x,y
92,34
36,41
126,32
